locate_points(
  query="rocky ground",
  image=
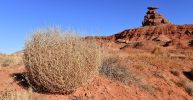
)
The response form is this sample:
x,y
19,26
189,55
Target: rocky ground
x,y
126,74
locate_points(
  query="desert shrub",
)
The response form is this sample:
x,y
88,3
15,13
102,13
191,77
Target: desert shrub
x,y
137,44
6,62
160,52
59,62
175,72
189,89
157,51
8,92
113,69
187,85
11,59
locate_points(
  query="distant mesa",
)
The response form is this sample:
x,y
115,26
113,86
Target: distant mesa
x,y
152,18
155,31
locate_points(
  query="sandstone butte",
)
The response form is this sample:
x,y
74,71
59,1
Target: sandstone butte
x,y
156,30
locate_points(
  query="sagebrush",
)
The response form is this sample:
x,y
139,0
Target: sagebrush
x,y
113,69
59,62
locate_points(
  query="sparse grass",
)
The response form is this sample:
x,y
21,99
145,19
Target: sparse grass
x,y
60,62
189,55
137,44
175,72
113,69
160,52
8,93
184,54
6,62
187,85
157,51
12,59
22,95
13,95
189,89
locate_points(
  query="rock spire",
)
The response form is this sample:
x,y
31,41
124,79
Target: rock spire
x,y
152,18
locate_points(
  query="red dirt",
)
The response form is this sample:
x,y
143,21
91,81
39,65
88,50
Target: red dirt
x,y
156,73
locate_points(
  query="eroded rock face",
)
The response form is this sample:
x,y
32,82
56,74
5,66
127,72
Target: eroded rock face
x,y
156,30
165,35
152,18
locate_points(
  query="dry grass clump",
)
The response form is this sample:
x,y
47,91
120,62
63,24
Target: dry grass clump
x,y
12,59
7,92
187,85
59,62
113,69
137,44
189,55
13,95
6,62
189,89
175,72
160,52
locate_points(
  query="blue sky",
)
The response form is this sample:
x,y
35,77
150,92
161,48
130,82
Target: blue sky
x,y
19,18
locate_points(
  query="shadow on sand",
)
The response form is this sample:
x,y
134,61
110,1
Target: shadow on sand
x,y
22,81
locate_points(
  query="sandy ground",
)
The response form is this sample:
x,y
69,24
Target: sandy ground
x,y
154,73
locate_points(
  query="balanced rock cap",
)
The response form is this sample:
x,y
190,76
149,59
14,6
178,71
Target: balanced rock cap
x,y
152,7
152,18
